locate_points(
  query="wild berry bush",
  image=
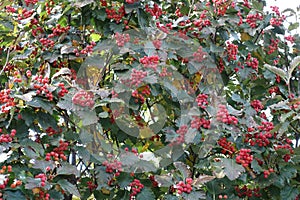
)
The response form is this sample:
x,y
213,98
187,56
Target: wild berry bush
x,y
149,100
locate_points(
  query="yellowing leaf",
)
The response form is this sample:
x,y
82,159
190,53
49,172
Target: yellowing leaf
x,y
94,75
146,132
145,147
95,37
105,191
106,109
245,36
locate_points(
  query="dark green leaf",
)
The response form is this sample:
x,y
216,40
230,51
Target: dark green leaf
x,y
69,187
231,168
13,195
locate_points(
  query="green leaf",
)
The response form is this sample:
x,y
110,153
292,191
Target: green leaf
x,y
196,195
231,168
42,165
82,3
129,158
216,49
85,137
142,18
183,169
289,192
88,117
164,180
146,193
38,102
293,26
237,98
13,195
69,187
294,64
131,7
256,167
67,169
46,120
277,71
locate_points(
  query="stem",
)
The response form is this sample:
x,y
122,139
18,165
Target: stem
x,y
6,61
257,37
191,7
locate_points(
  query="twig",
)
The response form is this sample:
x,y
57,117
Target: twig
x,y
6,62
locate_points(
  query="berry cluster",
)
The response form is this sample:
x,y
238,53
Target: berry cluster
x,y
17,77
244,157
202,100
63,90
260,138
4,138
227,146
278,20
232,51
58,30
43,179
92,186
268,172
198,122
5,169
84,99
252,62
290,38
184,187
150,62
257,105
266,126
181,133
253,18
141,93
164,72
201,22
113,167
87,50
103,3
223,116
154,182
121,39
247,192
136,187
47,43
273,46
223,196
43,195
221,65
42,86
10,9
6,100
137,77
131,1
28,2
50,131
222,6
286,146
274,89
25,14
154,10
58,152
4,182
199,55
239,14
157,44
49,6
116,15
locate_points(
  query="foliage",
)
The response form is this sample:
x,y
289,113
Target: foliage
x,y
148,100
